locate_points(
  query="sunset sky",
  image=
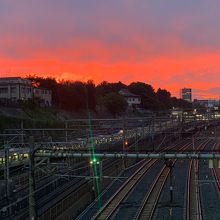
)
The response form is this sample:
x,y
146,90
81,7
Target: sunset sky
x,y
166,43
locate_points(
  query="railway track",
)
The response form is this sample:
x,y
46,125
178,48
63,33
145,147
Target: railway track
x,y
112,205
147,209
194,210
150,201
215,170
108,209
44,197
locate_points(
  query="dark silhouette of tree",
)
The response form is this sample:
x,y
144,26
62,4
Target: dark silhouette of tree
x,y
142,89
74,96
104,88
164,97
47,83
91,95
115,103
148,96
180,103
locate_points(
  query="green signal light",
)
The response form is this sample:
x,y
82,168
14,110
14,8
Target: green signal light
x,y
94,161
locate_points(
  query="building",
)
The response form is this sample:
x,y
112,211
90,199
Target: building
x,y
15,88
186,94
132,99
208,103
177,113
44,95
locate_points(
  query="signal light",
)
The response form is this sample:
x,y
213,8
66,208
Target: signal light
x,y
94,161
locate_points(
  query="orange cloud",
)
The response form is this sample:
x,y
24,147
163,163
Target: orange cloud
x,y
171,72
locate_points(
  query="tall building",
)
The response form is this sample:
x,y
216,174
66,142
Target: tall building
x,y
186,94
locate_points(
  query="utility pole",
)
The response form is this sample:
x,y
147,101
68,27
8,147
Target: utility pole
x,y
169,164
100,173
142,128
66,131
171,183
6,174
152,132
32,202
136,141
92,174
193,143
124,144
22,132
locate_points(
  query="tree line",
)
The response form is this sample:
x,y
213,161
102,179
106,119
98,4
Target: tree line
x,y
77,95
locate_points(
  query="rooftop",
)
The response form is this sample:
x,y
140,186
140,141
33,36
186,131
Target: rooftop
x,y
14,80
127,93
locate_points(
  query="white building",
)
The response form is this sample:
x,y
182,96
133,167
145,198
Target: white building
x,y
44,95
15,88
132,99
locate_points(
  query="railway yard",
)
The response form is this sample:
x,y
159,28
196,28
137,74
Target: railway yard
x,y
140,170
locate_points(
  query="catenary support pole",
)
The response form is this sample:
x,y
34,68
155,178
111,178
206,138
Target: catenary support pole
x,y
32,202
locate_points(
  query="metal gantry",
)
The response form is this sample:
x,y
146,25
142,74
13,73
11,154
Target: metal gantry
x,y
58,149
116,155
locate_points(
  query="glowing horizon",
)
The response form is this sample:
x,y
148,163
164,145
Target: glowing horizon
x,y
169,45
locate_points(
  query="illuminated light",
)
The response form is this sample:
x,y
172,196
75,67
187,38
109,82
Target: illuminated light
x,y
25,155
94,161
121,132
210,164
126,143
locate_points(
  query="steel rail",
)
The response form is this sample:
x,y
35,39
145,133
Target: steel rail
x,y
150,201
149,204
215,171
109,208
193,208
